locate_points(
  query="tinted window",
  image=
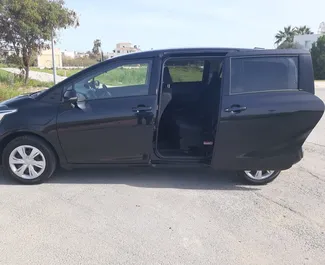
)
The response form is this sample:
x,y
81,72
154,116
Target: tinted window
x,y
185,70
263,74
122,81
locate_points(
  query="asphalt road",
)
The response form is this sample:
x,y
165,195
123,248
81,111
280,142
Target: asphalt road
x,y
155,216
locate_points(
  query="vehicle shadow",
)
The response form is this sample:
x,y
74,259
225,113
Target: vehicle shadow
x,y
177,178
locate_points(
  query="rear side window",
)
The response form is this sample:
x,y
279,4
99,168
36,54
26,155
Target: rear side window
x,y
184,70
261,74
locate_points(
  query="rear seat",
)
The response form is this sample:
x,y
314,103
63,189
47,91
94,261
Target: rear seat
x,y
193,126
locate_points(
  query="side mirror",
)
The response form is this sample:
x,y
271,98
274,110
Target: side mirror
x,y
70,96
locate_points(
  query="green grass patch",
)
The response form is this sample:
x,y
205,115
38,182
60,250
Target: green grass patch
x,y
185,74
61,72
133,76
124,76
137,76
12,85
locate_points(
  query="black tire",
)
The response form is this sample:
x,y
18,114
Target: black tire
x,y
263,181
42,146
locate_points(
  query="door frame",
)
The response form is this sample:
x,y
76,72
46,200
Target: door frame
x,y
163,60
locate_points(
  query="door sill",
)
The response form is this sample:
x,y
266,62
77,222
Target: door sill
x,y
77,165
178,159
179,163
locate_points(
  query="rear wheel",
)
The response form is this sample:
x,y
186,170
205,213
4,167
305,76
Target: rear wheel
x,y
29,160
259,177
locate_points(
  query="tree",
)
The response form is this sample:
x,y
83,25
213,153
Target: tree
x,y
285,36
97,47
318,55
288,45
27,25
302,30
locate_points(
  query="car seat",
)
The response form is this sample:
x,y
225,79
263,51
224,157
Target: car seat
x,y
168,130
196,129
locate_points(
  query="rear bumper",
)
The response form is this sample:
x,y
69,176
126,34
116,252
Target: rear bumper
x,y
297,156
283,160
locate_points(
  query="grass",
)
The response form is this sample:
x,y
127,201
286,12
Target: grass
x,y
61,72
185,74
124,76
115,77
128,76
12,85
137,76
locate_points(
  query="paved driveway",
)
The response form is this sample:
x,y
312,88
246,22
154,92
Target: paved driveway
x,y
155,216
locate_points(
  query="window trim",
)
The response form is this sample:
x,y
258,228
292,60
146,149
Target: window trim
x,y
111,66
264,56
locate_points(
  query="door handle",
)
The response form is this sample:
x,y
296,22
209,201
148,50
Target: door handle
x,y
236,109
141,109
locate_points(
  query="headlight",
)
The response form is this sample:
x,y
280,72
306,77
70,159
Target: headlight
x,y
6,112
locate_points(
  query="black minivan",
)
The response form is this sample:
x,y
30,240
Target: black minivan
x,y
244,110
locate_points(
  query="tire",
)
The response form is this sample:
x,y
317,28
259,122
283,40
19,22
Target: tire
x,y
251,176
19,163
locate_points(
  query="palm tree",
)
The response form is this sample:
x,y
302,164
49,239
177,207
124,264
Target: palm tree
x,y
302,30
97,47
285,35
97,50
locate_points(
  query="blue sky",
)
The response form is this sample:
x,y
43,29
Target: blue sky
x,y
186,23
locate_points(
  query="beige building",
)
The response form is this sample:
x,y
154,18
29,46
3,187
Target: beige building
x,y
126,47
44,60
70,54
123,48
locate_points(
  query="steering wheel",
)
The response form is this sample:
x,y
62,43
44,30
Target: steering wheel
x,y
95,91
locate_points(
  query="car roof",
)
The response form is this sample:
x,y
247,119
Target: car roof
x,y
203,51
178,51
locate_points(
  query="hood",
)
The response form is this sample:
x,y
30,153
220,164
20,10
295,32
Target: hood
x,y
19,100
12,100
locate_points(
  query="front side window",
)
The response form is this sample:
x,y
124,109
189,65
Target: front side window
x,y
261,74
122,81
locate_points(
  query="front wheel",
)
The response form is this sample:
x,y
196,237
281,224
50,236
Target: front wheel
x,y
259,177
29,160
